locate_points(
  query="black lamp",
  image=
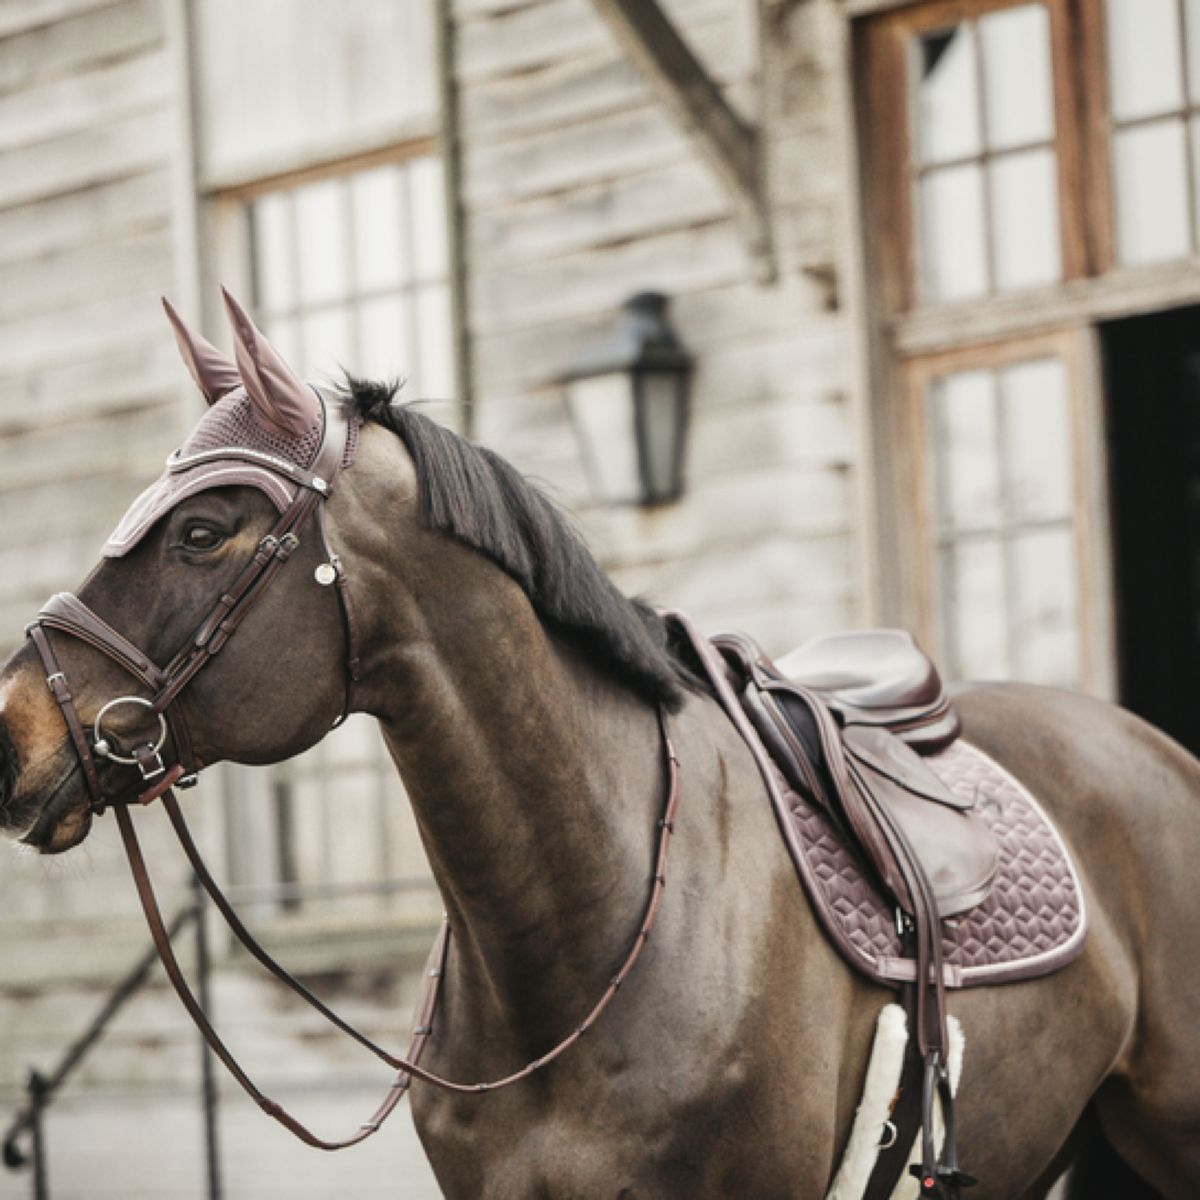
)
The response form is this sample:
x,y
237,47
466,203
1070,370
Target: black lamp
x,y
628,398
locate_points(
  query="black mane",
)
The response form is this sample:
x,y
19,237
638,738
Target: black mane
x,y
473,495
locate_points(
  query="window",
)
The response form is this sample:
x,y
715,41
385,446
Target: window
x,y
983,130
1154,108
350,270
984,165
1000,483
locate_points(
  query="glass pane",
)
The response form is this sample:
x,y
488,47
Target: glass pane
x,y
1016,72
954,255
947,100
1192,16
323,240
1025,241
426,191
378,214
1151,192
967,451
271,233
328,342
435,343
1144,57
1037,440
383,339
1045,623
974,611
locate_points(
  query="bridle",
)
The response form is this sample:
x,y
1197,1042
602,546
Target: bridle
x,y
65,613
68,614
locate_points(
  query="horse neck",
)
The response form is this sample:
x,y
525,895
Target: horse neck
x,y
536,783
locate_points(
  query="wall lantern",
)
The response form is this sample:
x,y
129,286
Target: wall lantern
x,y
628,398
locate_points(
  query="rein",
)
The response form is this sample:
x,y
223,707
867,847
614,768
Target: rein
x,y
65,613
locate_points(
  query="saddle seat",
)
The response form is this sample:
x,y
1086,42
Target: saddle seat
x,y
877,677
847,719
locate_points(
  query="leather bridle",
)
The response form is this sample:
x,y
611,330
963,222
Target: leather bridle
x,y
68,614
65,613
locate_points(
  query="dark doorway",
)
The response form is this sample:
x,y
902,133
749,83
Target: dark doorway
x,y
1152,383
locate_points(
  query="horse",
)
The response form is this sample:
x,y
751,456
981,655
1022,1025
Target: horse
x,y
520,694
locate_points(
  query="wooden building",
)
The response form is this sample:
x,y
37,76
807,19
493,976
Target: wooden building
x,y
936,263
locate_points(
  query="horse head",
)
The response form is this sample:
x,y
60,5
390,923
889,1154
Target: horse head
x,y
166,583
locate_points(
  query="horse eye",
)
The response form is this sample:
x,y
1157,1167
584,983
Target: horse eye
x,y
201,537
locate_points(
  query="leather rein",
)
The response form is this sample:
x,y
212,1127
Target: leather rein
x,y
65,613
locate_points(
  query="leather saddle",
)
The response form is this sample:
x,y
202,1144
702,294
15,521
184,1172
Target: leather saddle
x,y
847,718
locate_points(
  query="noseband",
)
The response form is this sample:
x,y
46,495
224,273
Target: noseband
x,y
68,614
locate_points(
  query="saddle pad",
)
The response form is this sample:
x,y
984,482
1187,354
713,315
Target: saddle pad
x,y
1033,922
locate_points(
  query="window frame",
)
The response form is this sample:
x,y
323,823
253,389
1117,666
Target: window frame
x,y
921,578
284,907
906,345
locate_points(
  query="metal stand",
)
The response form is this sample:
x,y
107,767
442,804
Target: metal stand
x,y
40,1089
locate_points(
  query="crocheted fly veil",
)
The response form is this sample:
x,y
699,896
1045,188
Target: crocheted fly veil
x,y
262,424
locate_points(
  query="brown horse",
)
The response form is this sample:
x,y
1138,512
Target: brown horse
x,y
517,692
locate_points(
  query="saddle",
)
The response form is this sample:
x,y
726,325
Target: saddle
x,y
847,718
845,721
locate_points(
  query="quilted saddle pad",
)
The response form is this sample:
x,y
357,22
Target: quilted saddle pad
x,y
1033,923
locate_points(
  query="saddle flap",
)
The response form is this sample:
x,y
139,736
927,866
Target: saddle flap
x,y
957,852
885,755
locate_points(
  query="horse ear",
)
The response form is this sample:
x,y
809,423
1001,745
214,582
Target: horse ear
x,y
281,399
214,372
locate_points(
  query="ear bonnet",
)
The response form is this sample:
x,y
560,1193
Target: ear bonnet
x,y
263,428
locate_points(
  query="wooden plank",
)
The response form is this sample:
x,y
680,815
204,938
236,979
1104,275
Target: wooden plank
x,y
812,363
130,445
768,570
681,82
598,281
92,329
556,159
576,88
19,15
707,319
521,38
139,264
792,433
120,379
70,45
78,160
85,100
101,212
724,514
585,218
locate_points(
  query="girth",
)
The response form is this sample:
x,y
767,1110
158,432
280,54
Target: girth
x,y
66,613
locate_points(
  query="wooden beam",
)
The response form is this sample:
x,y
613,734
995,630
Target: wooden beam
x,y
728,145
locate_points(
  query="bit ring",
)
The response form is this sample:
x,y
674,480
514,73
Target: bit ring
x,y
103,748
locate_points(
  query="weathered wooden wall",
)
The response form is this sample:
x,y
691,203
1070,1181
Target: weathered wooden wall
x,y
581,190
87,383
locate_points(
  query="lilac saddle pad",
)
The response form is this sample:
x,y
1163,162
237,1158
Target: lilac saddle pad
x,y
1033,922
